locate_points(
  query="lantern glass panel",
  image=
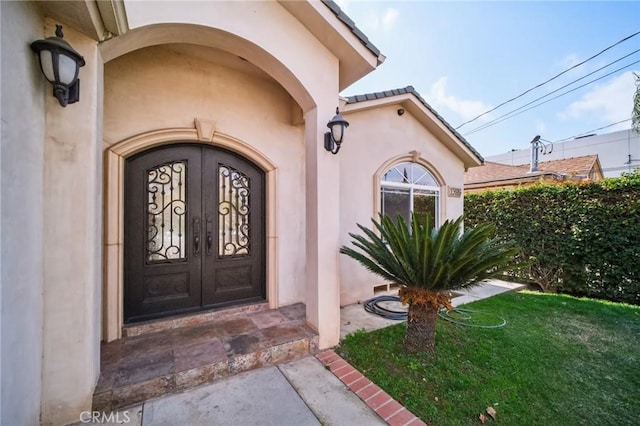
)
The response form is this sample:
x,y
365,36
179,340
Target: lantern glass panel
x,y
46,63
337,131
66,69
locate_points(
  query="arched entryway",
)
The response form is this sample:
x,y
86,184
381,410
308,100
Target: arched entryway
x,y
194,231
286,127
200,135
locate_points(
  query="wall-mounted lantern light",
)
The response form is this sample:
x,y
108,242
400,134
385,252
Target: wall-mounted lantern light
x,y
60,64
333,139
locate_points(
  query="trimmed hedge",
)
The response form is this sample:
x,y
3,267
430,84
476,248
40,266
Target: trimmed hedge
x,y
581,239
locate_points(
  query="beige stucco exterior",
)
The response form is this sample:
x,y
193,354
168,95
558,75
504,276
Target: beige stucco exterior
x,y
211,94
72,241
261,79
21,228
379,138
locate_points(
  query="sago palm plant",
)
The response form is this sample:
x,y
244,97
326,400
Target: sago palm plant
x,y
428,262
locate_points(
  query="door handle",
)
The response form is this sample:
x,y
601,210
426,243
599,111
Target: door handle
x,y
196,236
209,234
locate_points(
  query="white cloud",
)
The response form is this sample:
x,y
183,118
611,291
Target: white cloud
x,y
376,20
540,127
611,101
467,109
389,19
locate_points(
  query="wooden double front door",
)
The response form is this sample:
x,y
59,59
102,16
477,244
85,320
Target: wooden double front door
x,y
194,231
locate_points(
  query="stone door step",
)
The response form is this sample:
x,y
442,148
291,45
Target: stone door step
x,y
142,367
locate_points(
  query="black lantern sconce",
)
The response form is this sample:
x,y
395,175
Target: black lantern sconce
x,y
60,64
333,139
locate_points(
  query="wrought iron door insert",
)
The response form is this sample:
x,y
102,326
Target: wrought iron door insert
x,y
194,231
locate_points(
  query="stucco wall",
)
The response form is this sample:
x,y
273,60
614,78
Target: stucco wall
x,y
72,242
268,35
166,88
374,137
267,24
23,120
52,186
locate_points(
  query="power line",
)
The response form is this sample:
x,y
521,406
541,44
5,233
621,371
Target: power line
x,y
583,144
551,79
498,119
592,130
511,115
559,145
477,129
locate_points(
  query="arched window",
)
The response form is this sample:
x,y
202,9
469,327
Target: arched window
x,y
408,187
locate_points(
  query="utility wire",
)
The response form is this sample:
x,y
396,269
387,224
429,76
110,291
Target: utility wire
x,y
477,129
593,130
551,79
607,142
582,145
511,114
498,119
565,149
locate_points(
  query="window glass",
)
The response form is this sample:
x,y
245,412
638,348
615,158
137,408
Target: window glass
x,y
166,212
408,187
425,202
423,177
394,175
396,202
233,212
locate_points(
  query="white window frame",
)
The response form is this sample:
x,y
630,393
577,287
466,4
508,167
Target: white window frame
x,y
412,187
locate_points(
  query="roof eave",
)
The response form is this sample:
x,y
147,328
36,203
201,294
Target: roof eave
x,y
531,177
96,19
426,117
357,56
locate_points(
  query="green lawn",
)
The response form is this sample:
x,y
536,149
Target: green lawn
x,y
558,361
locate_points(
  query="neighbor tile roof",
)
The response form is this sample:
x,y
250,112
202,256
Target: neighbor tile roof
x,y
574,165
352,26
411,90
492,172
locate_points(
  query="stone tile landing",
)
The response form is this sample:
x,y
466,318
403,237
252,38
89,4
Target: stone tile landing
x,y
144,366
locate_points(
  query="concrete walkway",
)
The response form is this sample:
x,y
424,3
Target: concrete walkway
x,y
298,393
354,317
302,392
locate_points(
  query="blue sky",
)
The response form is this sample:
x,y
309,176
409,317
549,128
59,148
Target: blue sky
x,y
466,57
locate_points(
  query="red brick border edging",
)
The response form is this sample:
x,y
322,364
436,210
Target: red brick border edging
x,y
390,410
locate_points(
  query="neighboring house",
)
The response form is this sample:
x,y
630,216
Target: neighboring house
x,y
618,152
494,176
217,113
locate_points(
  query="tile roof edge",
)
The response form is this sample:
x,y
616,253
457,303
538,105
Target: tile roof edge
x,y
345,19
595,158
519,177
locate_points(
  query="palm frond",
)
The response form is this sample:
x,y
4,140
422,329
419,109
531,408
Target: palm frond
x,y
416,254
